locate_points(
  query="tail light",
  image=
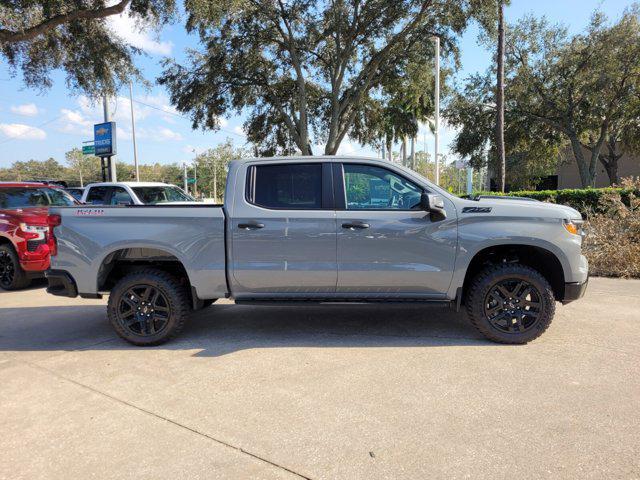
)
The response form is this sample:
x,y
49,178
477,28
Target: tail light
x,y
53,221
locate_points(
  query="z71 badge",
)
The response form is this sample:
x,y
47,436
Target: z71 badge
x,y
476,210
88,212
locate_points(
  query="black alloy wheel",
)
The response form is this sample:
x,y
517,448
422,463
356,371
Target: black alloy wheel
x,y
513,305
12,276
144,310
7,269
510,303
148,306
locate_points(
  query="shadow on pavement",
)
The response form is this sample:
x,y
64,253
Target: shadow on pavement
x,y
226,328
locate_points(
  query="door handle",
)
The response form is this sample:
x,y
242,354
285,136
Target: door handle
x,y
355,225
250,226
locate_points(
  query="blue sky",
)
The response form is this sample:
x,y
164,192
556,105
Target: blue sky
x,y
38,125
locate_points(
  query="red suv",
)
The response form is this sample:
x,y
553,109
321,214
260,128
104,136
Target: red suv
x,y
25,243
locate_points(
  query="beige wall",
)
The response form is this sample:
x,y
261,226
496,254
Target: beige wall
x,y
569,177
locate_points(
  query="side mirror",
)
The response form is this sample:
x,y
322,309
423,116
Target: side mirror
x,y
433,204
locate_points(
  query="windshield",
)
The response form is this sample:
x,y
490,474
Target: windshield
x,y
153,195
25,197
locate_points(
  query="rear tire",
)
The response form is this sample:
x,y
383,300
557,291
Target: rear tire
x,y
510,303
148,307
12,276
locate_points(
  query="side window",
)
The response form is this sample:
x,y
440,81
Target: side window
x,y
97,195
375,188
294,186
120,197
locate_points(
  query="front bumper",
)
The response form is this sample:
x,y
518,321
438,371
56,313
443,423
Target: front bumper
x,y
61,283
574,291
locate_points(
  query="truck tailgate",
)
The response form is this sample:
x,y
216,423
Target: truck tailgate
x,y
193,234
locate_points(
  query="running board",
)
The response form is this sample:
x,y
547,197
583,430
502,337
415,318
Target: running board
x,y
359,301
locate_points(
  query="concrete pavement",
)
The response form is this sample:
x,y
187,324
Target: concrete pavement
x,y
320,392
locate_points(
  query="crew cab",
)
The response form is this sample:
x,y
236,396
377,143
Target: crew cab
x,y
323,230
133,193
24,233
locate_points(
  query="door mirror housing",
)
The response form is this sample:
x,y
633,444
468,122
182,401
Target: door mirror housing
x,y
433,204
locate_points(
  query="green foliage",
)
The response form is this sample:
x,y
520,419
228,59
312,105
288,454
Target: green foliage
x,y
561,90
39,36
212,166
305,69
587,200
51,169
532,149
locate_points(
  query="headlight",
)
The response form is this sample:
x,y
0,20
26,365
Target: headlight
x,y
37,231
574,226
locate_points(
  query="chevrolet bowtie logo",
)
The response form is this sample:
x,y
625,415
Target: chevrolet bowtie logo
x,y
101,131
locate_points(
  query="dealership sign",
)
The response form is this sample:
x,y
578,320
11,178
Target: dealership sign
x,y
104,139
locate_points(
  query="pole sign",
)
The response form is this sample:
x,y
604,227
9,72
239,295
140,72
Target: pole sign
x,y
88,150
104,139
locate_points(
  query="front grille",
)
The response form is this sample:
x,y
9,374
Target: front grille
x,y
32,245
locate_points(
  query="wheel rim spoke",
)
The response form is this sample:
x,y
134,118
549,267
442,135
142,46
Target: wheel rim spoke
x,y
513,305
144,310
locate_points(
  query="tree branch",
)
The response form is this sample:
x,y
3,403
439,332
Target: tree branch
x,y
10,36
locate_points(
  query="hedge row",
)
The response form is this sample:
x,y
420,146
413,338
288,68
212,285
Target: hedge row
x,y
586,200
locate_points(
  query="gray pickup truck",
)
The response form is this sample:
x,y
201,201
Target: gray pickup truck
x,y
301,230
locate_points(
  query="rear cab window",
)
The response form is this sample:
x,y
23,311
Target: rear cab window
x,y
289,186
97,195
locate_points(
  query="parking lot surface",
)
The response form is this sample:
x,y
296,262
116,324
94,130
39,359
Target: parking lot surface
x,y
320,392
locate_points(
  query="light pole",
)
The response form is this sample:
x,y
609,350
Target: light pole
x,y
185,177
436,102
133,132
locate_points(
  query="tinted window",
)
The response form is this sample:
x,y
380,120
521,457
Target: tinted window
x,y
294,186
19,197
153,195
75,193
97,195
376,188
119,196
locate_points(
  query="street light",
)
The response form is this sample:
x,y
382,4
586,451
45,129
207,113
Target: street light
x,y
436,102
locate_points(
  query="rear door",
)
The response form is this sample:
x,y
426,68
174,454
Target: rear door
x,y
387,245
283,231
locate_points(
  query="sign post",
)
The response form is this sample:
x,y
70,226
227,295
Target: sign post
x,y
104,144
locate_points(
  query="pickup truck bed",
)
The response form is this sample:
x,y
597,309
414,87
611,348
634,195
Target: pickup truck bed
x,y
191,238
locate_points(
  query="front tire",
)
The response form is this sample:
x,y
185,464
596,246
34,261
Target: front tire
x,y
12,276
510,303
148,307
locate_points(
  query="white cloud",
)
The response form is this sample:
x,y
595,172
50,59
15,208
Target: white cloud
x,y
26,110
21,131
238,129
168,134
140,36
74,122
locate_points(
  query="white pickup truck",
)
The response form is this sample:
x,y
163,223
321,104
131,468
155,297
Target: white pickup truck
x,y
322,229
133,193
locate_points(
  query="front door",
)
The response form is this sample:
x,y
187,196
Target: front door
x,y
387,245
284,232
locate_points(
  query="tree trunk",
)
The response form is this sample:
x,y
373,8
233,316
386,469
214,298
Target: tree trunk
x,y
413,153
390,150
587,178
611,167
610,160
404,151
500,100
